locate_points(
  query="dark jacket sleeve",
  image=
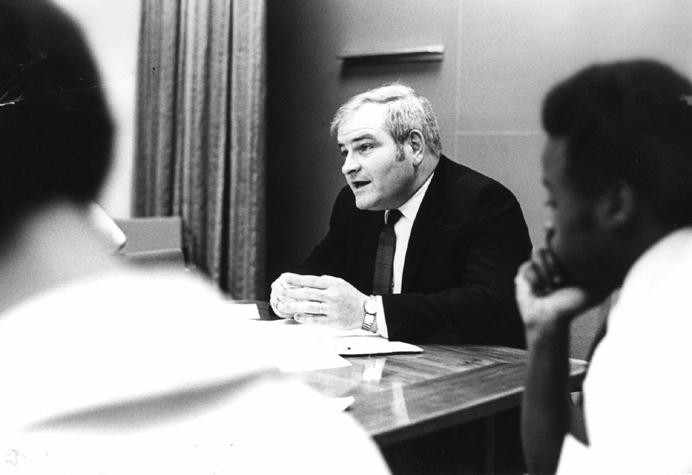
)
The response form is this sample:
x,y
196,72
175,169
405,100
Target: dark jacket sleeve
x,y
327,257
480,306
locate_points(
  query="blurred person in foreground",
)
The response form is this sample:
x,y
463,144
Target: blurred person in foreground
x,y
618,170
106,370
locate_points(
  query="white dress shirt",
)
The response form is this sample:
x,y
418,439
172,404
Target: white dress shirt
x,y
151,373
402,231
637,392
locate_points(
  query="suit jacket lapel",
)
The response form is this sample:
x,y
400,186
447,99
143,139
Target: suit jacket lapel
x,y
423,226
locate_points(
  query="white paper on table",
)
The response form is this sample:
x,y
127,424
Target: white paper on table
x,y
311,359
346,342
315,331
247,311
299,347
371,345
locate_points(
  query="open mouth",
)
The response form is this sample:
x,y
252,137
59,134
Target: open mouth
x,y
360,184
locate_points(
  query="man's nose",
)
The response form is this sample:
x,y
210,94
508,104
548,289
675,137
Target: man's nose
x,y
350,165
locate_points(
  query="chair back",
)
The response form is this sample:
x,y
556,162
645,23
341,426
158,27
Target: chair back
x,y
153,241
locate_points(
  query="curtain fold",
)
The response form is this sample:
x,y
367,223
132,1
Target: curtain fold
x,y
200,143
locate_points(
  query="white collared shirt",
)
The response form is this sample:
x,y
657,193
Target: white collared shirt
x,y
637,392
402,230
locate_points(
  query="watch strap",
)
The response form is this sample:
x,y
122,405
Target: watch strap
x,y
370,317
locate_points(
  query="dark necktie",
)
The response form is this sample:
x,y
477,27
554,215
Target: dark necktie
x,y
382,277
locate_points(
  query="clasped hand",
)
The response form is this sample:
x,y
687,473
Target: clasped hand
x,y
324,300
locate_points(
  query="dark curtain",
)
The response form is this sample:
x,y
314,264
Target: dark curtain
x,y
200,132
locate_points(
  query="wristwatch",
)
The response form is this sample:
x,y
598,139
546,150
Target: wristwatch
x,y
370,317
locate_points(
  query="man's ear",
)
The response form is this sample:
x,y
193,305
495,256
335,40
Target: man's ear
x,y
417,144
617,206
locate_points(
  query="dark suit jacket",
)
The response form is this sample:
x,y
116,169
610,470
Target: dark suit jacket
x,y
466,244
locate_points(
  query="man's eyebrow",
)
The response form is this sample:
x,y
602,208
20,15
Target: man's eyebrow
x,y
358,139
546,183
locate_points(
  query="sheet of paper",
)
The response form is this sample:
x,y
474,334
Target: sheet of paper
x,y
247,311
298,347
311,359
371,345
344,342
317,331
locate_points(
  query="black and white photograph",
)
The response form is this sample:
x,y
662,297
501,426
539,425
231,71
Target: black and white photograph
x,y
345,237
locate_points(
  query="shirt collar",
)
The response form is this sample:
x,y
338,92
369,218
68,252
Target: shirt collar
x,y
409,210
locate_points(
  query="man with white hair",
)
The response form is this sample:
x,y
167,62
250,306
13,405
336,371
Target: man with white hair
x,y
419,248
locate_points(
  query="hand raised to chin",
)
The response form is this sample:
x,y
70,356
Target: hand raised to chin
x,y
544,303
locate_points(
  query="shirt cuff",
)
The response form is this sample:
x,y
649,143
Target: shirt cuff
x,y
381,321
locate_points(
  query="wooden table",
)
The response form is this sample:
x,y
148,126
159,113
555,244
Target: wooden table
x,y
403,396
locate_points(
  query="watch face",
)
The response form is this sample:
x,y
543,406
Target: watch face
x,y
371,306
